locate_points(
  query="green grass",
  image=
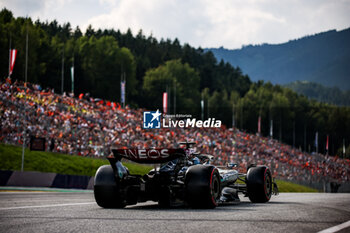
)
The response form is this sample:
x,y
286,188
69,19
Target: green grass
x,y
289,187
11,159
285,186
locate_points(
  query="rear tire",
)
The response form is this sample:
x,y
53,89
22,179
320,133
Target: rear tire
x,y
203,188
259,184
106,190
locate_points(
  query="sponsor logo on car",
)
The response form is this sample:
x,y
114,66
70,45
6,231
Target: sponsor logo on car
x,y
153,155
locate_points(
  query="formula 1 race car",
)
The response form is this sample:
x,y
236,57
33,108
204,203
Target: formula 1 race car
x,y
184,178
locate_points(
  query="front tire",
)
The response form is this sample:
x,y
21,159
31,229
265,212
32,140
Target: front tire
x,y
259,184
203,188
106,190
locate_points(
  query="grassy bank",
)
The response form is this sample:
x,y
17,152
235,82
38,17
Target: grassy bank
x,y
285,186
11,157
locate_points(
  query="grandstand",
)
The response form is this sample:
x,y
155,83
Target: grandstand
x,y
90,127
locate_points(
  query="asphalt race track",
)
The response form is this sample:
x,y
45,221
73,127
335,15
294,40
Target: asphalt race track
x,y
77,212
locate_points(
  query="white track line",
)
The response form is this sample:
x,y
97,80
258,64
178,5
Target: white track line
x,y
336,228
45,206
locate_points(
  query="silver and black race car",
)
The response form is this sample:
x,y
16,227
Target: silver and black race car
x,y
184,178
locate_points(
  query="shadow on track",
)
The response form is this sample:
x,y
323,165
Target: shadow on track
x,y
59,218
240,206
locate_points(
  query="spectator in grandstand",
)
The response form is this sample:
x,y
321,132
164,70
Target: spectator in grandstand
x,y
90,127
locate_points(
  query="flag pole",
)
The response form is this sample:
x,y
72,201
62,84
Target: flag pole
x,y
316,142
165,102
293,134
122,86
280,128
233,115
175,97
208,111
26,69
72,73
10,55
271,129
62,77
327,144
305,149
25,93
241,114
202,107
259,125
124,77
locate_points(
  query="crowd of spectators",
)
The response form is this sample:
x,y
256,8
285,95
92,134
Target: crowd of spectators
x,y
90,127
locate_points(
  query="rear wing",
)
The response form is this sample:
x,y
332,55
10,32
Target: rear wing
x,y
149,156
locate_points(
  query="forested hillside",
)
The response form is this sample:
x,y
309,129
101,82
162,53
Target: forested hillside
x,y
152,66
322,58
331,95
100,57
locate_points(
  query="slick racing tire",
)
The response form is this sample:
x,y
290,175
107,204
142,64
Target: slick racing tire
x,y
203,188
259,184
106,190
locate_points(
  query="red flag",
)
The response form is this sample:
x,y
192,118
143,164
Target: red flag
x,y
259,124
108,103
81,96
327,143
165,102
13,54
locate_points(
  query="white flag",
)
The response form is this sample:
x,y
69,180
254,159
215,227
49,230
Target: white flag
x,y
72,72
13,54
271,128
165,102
